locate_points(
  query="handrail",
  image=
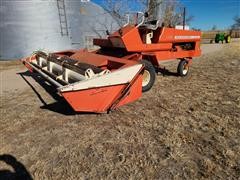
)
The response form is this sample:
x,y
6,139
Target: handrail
x,y
143,18
128,18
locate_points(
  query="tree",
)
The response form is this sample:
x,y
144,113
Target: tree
x,y
153,8
236,24
196,29
119,8
214,28
169,12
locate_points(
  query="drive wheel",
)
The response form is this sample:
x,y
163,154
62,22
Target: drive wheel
x,y
149,75
183,68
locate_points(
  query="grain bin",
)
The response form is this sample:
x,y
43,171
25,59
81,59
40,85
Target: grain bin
x,y
55,25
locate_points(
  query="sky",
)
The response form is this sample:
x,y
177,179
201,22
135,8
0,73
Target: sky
x,y
208,13
212,12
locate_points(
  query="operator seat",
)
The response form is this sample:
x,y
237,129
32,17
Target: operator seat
x,y
152,25
149,28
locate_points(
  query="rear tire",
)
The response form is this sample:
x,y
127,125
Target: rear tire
x,y
183,68
149,75
228,39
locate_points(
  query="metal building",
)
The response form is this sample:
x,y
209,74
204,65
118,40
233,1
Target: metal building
x,y
29,25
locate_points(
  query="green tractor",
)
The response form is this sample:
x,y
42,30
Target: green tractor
x,y
222,37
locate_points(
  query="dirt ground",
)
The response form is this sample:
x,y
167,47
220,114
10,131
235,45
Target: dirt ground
x,y
184,128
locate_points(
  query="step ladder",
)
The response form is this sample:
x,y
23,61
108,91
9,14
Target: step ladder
x,y
62,17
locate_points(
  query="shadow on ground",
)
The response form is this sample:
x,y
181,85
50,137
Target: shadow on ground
x,y
166,72
59,106
20,172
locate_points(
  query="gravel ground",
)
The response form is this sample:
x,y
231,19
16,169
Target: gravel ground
x,y
184,128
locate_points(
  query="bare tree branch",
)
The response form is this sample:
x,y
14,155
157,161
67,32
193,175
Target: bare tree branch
x,y
236,25
169,12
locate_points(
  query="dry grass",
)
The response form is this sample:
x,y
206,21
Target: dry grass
x,y
9,64
183,128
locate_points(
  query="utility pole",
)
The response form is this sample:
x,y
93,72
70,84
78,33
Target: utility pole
x,y
184,18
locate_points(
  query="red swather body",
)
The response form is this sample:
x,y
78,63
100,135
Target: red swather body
x,y
118,72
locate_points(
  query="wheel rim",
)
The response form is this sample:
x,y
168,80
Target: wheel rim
x,y
185,69
228,39
146,78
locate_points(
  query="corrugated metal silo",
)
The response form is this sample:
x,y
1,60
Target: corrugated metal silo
x,y
28,25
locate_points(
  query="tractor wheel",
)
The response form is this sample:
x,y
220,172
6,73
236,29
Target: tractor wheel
x,y
183,68
228,39
149,75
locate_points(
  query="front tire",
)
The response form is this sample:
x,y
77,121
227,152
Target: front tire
x,y
149,75
183,68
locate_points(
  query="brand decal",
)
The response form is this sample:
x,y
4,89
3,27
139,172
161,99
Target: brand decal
x,y
187,37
